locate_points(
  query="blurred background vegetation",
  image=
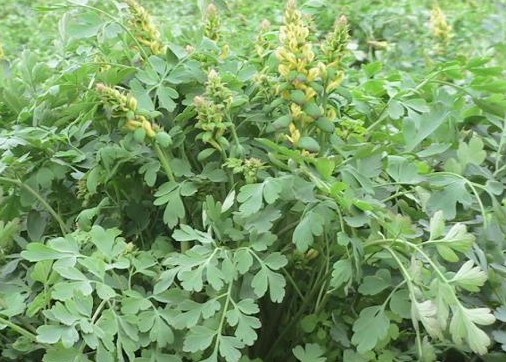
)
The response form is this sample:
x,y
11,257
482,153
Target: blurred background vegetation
x,y
400,33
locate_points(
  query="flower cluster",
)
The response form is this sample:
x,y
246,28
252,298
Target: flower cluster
x,y
299,70
263,46
124,106
117,104
334,50
441,28
249,167
213,23
144,29
212,110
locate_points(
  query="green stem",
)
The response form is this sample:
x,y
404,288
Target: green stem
x,y
65,230
412,296
222,320
164,160
18,329
292,282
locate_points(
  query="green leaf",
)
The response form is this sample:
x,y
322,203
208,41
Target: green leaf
x,y
403,170
341,272
420,126
371,326
199,338
437,225
310,353
471,152
166,96
266,278
229,348
453,191
37,252
469,277
12,304
311,224
395,109
463,327
51,334
250,197
374,284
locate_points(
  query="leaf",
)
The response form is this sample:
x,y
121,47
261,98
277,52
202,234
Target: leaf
x,y
198,339
463,327
275,261
246,324
243,260
341,273
374,284
371,326
37,252
500,337
437,225
12,304
104,240
166,96
420,126
310,224
250,196
426,312
453,191
228,202
403,170
310,353
500,313
266,278
395,109
51,334
471,152
229,348
469,277
187,233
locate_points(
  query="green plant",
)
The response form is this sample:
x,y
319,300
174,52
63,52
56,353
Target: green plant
x,y
163,203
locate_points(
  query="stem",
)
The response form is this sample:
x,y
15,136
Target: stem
x,y
222,320
24,332
412,296
292,282
97,311
65,230
164,160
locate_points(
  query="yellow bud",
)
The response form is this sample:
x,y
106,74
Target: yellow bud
x,y
310,93
296,110
294,134
314,74
132,103
132,125
284,70
335,83
312,254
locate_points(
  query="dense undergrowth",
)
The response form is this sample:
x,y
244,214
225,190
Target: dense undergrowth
x,y
324,185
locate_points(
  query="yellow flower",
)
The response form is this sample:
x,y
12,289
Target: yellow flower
x,y
440,26
294,134
143,28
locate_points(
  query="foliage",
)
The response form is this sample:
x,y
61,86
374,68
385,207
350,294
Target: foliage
x,y
172,202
